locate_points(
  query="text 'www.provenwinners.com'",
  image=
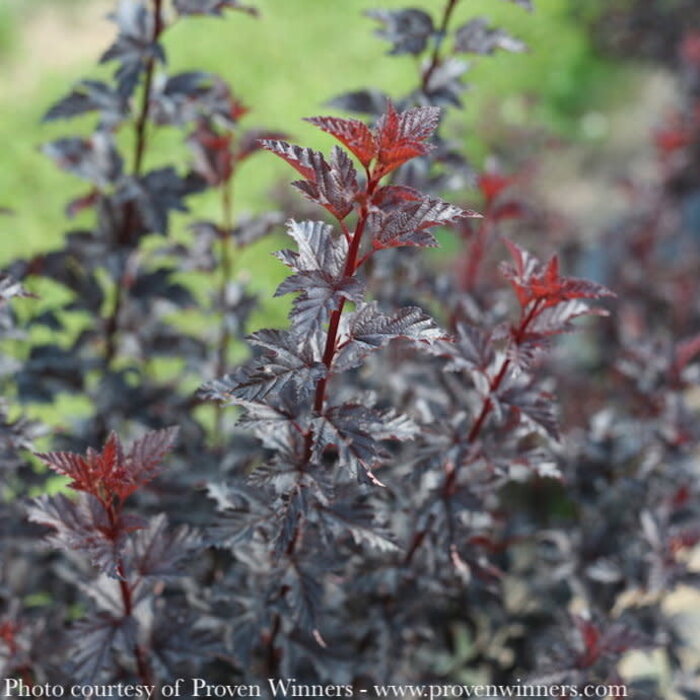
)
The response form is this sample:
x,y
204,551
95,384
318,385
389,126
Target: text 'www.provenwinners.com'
x,y
291,688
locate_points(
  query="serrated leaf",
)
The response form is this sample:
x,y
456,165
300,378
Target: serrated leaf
x,y
472,350
334,186
554,320
286,361
92,641
294,509
408,30
144,459
112,472
352,133
402,136
538,406
349,429
304,160
90,96
477,36
445,84
537,282
304,596
367,329
94,159
83,526
318,248
157,194
158,549
359,520
408,224
134,47
213,156
186,98
319,295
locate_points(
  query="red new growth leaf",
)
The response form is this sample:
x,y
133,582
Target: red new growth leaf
x,y
590,636
8,635
397,138
685,352
535,282
690,49
492,184
402,136
352,133
212,153
672,137
113,473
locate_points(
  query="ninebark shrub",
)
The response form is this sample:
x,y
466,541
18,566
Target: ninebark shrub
x,y
400,500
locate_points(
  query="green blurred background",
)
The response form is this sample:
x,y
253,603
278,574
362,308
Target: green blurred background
x,y
285,65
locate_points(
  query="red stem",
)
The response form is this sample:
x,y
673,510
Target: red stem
x,y
477,252
126,591
112,328
442,31
351,266
451,477
334,324
493,388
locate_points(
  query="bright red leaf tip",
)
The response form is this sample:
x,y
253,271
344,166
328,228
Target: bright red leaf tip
x,y
492,184
397,138
352,133
113,472
401,136
536,282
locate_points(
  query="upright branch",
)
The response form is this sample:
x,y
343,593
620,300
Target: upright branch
x,y
285,390
327,264
119,545
435,58
392,216
227,265
219,149
146,93
130,214
548,304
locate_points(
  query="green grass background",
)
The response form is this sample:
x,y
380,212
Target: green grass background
x,y
284,65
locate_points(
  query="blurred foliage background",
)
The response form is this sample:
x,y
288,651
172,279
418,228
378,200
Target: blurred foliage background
x,y
284,66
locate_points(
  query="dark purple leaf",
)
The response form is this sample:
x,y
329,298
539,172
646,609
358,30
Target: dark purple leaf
x,y
157,194
409,223
92,644
134,47
477,36
91,96
319,249
371,102
213,8
286,360
334,185
158,549
82,525
319,295
408,30
368,329
95,159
